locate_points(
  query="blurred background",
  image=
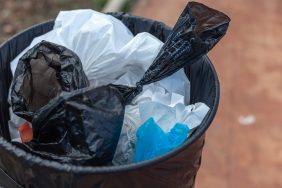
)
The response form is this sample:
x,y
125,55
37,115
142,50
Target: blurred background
x,y
244,144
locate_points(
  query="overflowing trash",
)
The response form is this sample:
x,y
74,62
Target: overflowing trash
x,y
90,93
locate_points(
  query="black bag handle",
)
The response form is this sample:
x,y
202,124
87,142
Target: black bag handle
x,y
198,30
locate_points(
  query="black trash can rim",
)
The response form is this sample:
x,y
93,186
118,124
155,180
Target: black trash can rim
x,y
24,156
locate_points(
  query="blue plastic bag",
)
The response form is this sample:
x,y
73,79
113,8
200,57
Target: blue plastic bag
x,y
152,141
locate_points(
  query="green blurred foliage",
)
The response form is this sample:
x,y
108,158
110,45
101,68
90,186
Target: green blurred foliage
x,y
128,5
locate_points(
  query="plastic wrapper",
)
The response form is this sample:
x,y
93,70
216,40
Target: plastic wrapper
x,y
152,141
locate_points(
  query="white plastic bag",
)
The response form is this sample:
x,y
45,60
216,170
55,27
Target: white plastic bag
x,y
105,46
167,116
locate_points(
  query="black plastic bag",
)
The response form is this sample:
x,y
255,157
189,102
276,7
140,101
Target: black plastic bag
x,y
61,122
83,126
198,30
43,72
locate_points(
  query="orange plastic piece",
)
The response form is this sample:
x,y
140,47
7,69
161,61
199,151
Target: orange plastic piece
x,y
25,132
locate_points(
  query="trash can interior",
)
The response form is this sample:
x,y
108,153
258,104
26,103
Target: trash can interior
x,y
202,76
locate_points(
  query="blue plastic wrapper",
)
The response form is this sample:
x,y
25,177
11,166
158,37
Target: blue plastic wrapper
x,y
152,141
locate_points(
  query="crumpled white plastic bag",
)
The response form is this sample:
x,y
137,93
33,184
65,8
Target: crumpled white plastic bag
x,y
166,108
107,49
126,145
167,116
170,91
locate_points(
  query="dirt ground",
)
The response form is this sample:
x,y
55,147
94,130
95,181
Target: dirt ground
x,y
249,64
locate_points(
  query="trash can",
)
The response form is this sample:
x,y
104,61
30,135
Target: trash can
x,y
177,168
